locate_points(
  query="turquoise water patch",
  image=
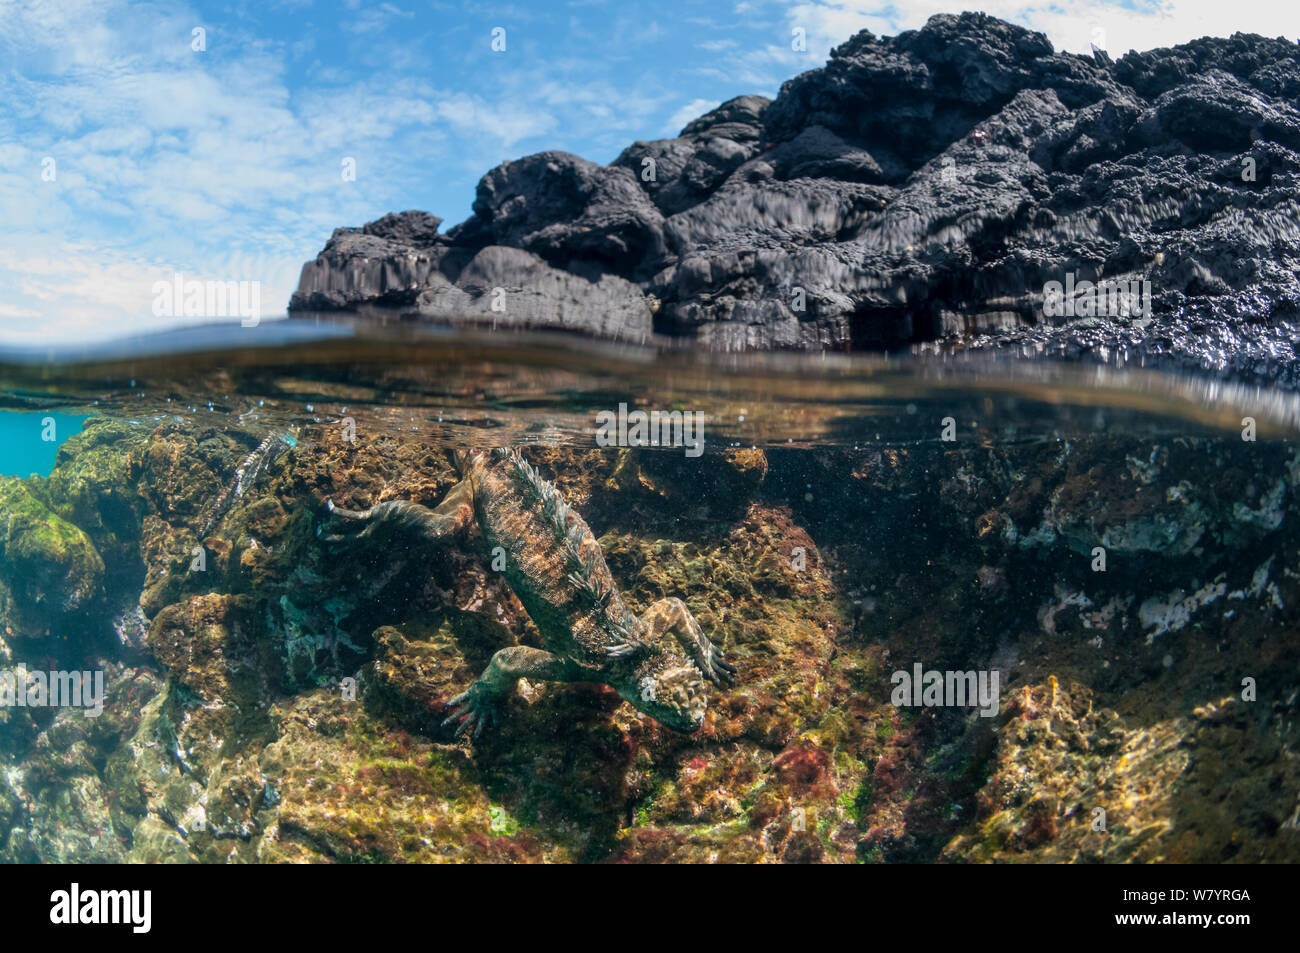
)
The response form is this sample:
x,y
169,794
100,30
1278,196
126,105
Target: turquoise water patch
x,y
29,440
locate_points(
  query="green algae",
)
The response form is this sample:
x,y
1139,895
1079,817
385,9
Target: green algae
x,y
49,564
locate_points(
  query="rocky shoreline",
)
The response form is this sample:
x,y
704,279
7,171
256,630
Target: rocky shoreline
x,y
921,191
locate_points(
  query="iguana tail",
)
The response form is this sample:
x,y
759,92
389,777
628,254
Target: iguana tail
x,y
395,516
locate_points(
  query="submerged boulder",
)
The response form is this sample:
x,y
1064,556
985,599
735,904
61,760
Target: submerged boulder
x,y
49,567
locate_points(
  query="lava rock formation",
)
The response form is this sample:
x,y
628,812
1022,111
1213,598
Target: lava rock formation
x,y
918,190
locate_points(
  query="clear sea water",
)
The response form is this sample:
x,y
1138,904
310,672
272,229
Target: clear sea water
x,y
1120,546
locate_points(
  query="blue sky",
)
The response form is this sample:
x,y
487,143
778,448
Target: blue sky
x,y
226,163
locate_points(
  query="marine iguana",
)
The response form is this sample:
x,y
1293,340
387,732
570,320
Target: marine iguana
x,y
556,568
266,453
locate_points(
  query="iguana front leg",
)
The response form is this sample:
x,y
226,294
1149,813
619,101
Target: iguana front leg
x,y
478,705
672,616
452,515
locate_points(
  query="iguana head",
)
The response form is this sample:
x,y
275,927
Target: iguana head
x,y
668,688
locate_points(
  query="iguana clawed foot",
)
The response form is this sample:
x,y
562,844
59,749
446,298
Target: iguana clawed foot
x,y
475,709
714,667
671,617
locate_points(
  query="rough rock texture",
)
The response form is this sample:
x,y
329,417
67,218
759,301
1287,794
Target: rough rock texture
x,y
286,704
920,188
528,293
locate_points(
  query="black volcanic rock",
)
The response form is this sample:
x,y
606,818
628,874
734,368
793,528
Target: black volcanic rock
x,y
504,287
918,190
679,173
410,228
564,208
386,263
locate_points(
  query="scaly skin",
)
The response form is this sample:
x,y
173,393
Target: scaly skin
x,y
556,568
267,452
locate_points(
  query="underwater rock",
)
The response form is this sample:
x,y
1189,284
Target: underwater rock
x,y
288,702
411,681
922,189
94,486
58,802
50,567
1072,784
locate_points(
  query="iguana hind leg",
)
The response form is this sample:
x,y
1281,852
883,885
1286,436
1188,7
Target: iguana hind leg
x,y
671,616
451,516
477,706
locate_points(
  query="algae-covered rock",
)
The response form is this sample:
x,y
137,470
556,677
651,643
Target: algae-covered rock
x,y
411,681
50,566
223,672
350,789
94,485
288,701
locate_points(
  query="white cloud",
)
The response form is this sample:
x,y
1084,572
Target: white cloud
x,y
692,110
1069,25
11,311
206,163
501,123
82,292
